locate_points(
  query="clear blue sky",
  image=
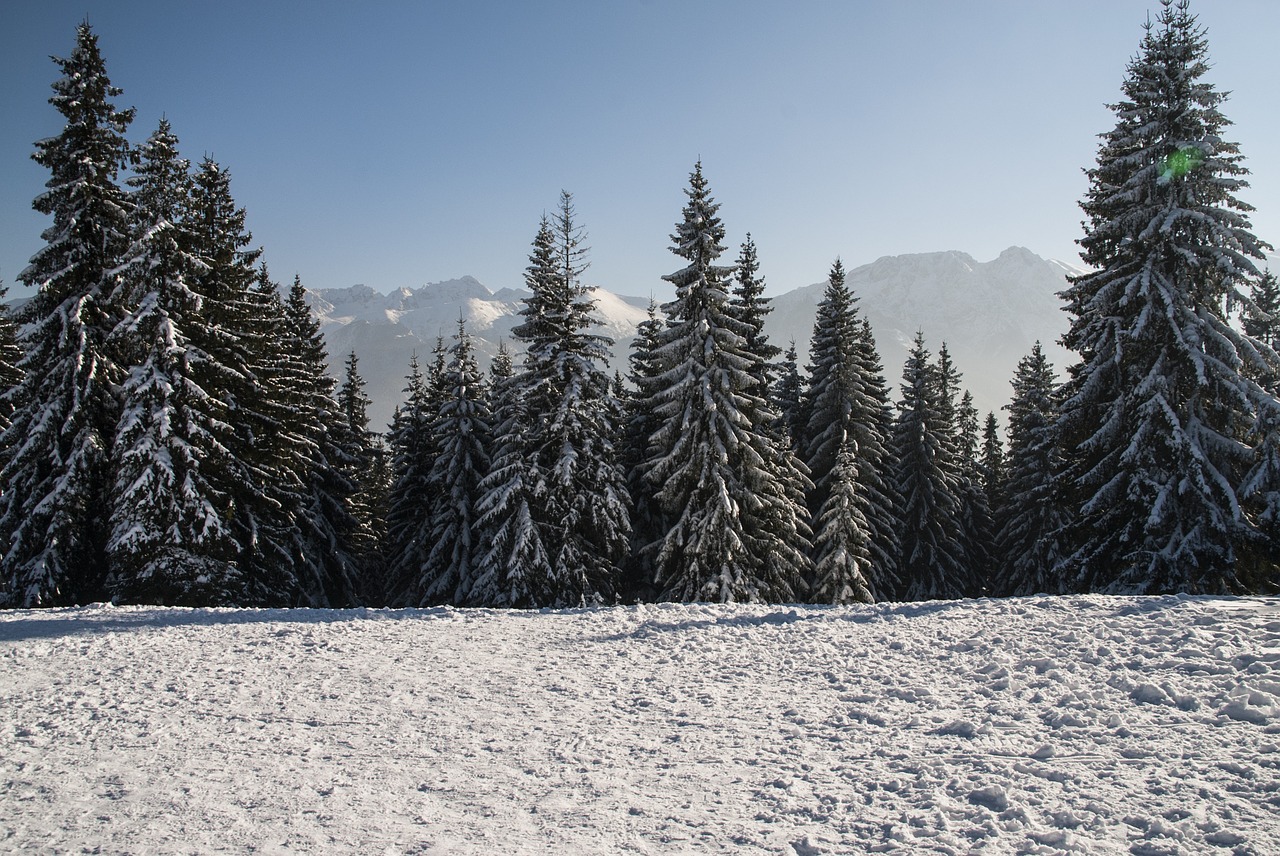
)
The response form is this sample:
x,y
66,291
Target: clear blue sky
x,y
398,143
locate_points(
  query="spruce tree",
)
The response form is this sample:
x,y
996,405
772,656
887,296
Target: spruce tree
x,y
752,307
460,436
842,542
170,541
409,499
846,404
314,435
1162,416
366,468
646,515
976,520
931,542
572,422
786,396
1027,544
735,531
53,526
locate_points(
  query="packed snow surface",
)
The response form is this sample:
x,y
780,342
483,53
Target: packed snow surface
x,y
1043,725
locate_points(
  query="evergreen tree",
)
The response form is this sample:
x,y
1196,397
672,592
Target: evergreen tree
x,y
57,447
991,465
751,308
641,423
572,422
170,541
1262,318
321,459
842,543
460,435
242,336
787,394
932,558
846,404
976,522
874,430
735,532
367,470
409,499
1027,543
1161,412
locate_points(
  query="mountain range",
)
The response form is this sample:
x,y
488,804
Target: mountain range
x,y
988,313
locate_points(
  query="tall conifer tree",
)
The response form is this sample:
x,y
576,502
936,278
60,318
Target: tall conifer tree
x,y
57,447
735,532
1163,409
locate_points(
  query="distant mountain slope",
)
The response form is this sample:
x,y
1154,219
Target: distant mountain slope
x,y
989,313
385,330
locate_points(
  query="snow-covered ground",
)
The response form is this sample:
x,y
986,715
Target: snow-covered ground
x,y
1083,724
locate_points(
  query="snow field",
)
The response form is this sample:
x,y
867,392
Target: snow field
x,y
1040,725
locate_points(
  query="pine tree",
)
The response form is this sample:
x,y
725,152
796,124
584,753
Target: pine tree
x,y
842,543
1262,318
572,422
460,436
170,540
846,404
991,465
1027,543
367,469
323,522
409,499
976,522
932,558
735,531
58,444
787,394
646,515
1162,410
242,336
751,308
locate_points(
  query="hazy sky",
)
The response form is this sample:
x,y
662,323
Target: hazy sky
x,y
399,143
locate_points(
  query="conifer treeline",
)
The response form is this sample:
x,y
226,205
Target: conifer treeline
x,y
171,436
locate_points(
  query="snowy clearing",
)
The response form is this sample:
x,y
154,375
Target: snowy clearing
x,y
1043,725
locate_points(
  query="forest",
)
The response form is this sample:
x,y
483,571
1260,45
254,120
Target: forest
x,y
171,435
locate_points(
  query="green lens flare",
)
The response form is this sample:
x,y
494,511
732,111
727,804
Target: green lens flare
x,y
1181,162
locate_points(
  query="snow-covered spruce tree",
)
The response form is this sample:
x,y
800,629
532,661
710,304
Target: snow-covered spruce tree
x,y
641,422
842,542
1027,543
170,541
53,525
874,428
460,437
735,531
931,543
573,422
243,330
1262,318
752,307
991,465
367,469
786,394
975,514
409,499
846,405
324,523
1162,411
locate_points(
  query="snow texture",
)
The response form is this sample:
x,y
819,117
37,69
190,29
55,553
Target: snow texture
x,y
1080,724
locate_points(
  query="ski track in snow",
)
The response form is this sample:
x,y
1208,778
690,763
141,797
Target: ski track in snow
x,y
1039,725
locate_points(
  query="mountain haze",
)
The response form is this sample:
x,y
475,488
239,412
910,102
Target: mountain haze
x,y
988,313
